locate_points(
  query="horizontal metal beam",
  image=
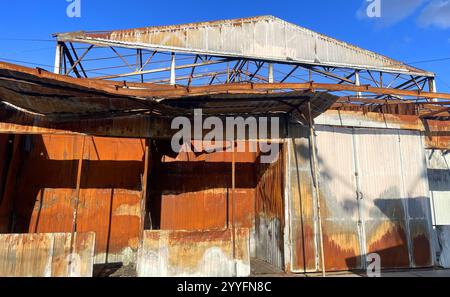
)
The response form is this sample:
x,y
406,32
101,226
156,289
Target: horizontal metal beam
x,y
134,73
149,90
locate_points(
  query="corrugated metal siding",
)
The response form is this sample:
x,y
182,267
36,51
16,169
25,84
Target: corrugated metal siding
x,y
4,165
416,190
380,169
340,214
193,191
43,190
194,254
374,196
264,37
46,255
301,204
439,179
270,213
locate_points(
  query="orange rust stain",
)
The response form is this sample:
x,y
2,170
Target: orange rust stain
x,y
110,196
188,249
389,241
270,191
422,251
437,132
194,191
337,258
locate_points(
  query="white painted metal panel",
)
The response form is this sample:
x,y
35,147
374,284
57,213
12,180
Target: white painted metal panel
x,y
439,180
264,37
340,209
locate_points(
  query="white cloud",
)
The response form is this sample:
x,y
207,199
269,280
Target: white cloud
x,y
436,13
392,11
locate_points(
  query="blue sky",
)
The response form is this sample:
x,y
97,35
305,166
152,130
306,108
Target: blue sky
x,y
409,30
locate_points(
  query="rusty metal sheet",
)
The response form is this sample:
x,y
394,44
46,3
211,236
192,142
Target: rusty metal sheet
x,y
264,37
46,255
201,197
384,213
437,132
301,204
340,208
57,99
270,221
374,196
389,240
194,254
417,195
43,193
15,122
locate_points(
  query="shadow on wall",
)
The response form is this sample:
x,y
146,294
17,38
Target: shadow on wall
x,y
41,190
398,229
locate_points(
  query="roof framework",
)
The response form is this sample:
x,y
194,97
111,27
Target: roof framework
x,y
258,50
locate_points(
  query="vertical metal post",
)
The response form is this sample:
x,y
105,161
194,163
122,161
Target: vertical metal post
x,y
58,58
77,202
316,184
271,80
139,57
233,203
433,88
357,82
173,78
144,183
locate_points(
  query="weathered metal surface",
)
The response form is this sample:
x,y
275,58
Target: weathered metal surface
x,y
201,199
264,37
439,181
5,156
46,255
338,186
301,234
374,196
382,189
194,254
41,195
59,98
437,132
416,195
270,212
444,242
16,122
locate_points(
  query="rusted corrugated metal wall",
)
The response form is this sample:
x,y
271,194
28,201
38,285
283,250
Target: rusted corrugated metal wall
x,y
270,213
195,254
338,186
374,198
4,165
194,191
46,255
300,202
41,192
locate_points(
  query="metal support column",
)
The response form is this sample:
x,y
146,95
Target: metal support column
x,y
316,185
58,58
173,79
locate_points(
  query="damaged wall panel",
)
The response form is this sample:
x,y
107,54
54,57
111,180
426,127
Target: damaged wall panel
x,y
193,192
43,192
301,238
46,255
340,209
270,213
194,254
381,175
374,198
